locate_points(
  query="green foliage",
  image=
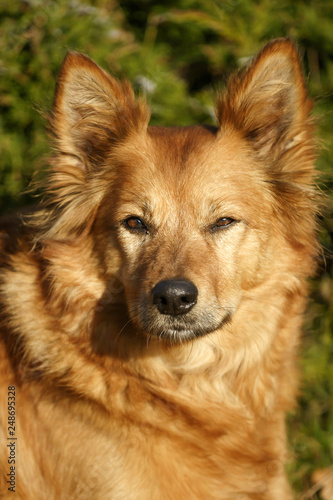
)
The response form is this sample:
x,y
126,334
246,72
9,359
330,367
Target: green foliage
x,y
176,51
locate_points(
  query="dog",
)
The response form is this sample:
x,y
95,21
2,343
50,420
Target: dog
x,y
151,306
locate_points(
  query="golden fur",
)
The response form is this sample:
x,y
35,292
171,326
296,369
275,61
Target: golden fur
x,y
114,399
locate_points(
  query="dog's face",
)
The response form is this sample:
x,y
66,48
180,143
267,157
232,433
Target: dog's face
x,y
188,220
186,211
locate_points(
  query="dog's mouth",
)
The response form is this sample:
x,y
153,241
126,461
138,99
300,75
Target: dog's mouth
x,y
188,332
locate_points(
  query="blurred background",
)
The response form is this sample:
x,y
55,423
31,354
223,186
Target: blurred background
x,y
178,53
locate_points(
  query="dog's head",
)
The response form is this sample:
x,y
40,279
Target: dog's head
x,y
188,220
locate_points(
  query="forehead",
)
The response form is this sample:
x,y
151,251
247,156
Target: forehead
x,y
198,164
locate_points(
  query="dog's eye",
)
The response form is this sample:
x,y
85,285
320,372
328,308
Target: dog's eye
x,y
223,223
135,224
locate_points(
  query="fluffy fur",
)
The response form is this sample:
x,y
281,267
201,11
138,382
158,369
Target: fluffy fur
x,y
116,400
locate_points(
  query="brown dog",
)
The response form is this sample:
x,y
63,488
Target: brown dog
x,y
150,309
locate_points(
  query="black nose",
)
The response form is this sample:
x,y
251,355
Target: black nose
x,y
174,296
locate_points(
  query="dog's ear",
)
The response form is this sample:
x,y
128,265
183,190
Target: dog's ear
x,y
92,111
268,102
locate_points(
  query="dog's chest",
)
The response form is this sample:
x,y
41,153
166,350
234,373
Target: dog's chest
x,y
125,459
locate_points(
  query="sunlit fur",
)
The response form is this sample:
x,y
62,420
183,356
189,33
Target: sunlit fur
x,y
116,401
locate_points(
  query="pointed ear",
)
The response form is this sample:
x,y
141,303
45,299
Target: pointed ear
x,y
268,101
92,111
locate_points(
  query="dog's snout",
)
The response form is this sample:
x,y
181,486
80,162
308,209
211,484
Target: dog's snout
x,y
174,296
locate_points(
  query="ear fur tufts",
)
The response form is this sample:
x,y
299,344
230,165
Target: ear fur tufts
x,y
268,101
92,111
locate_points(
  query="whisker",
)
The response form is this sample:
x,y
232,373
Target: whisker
x,y
123,328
